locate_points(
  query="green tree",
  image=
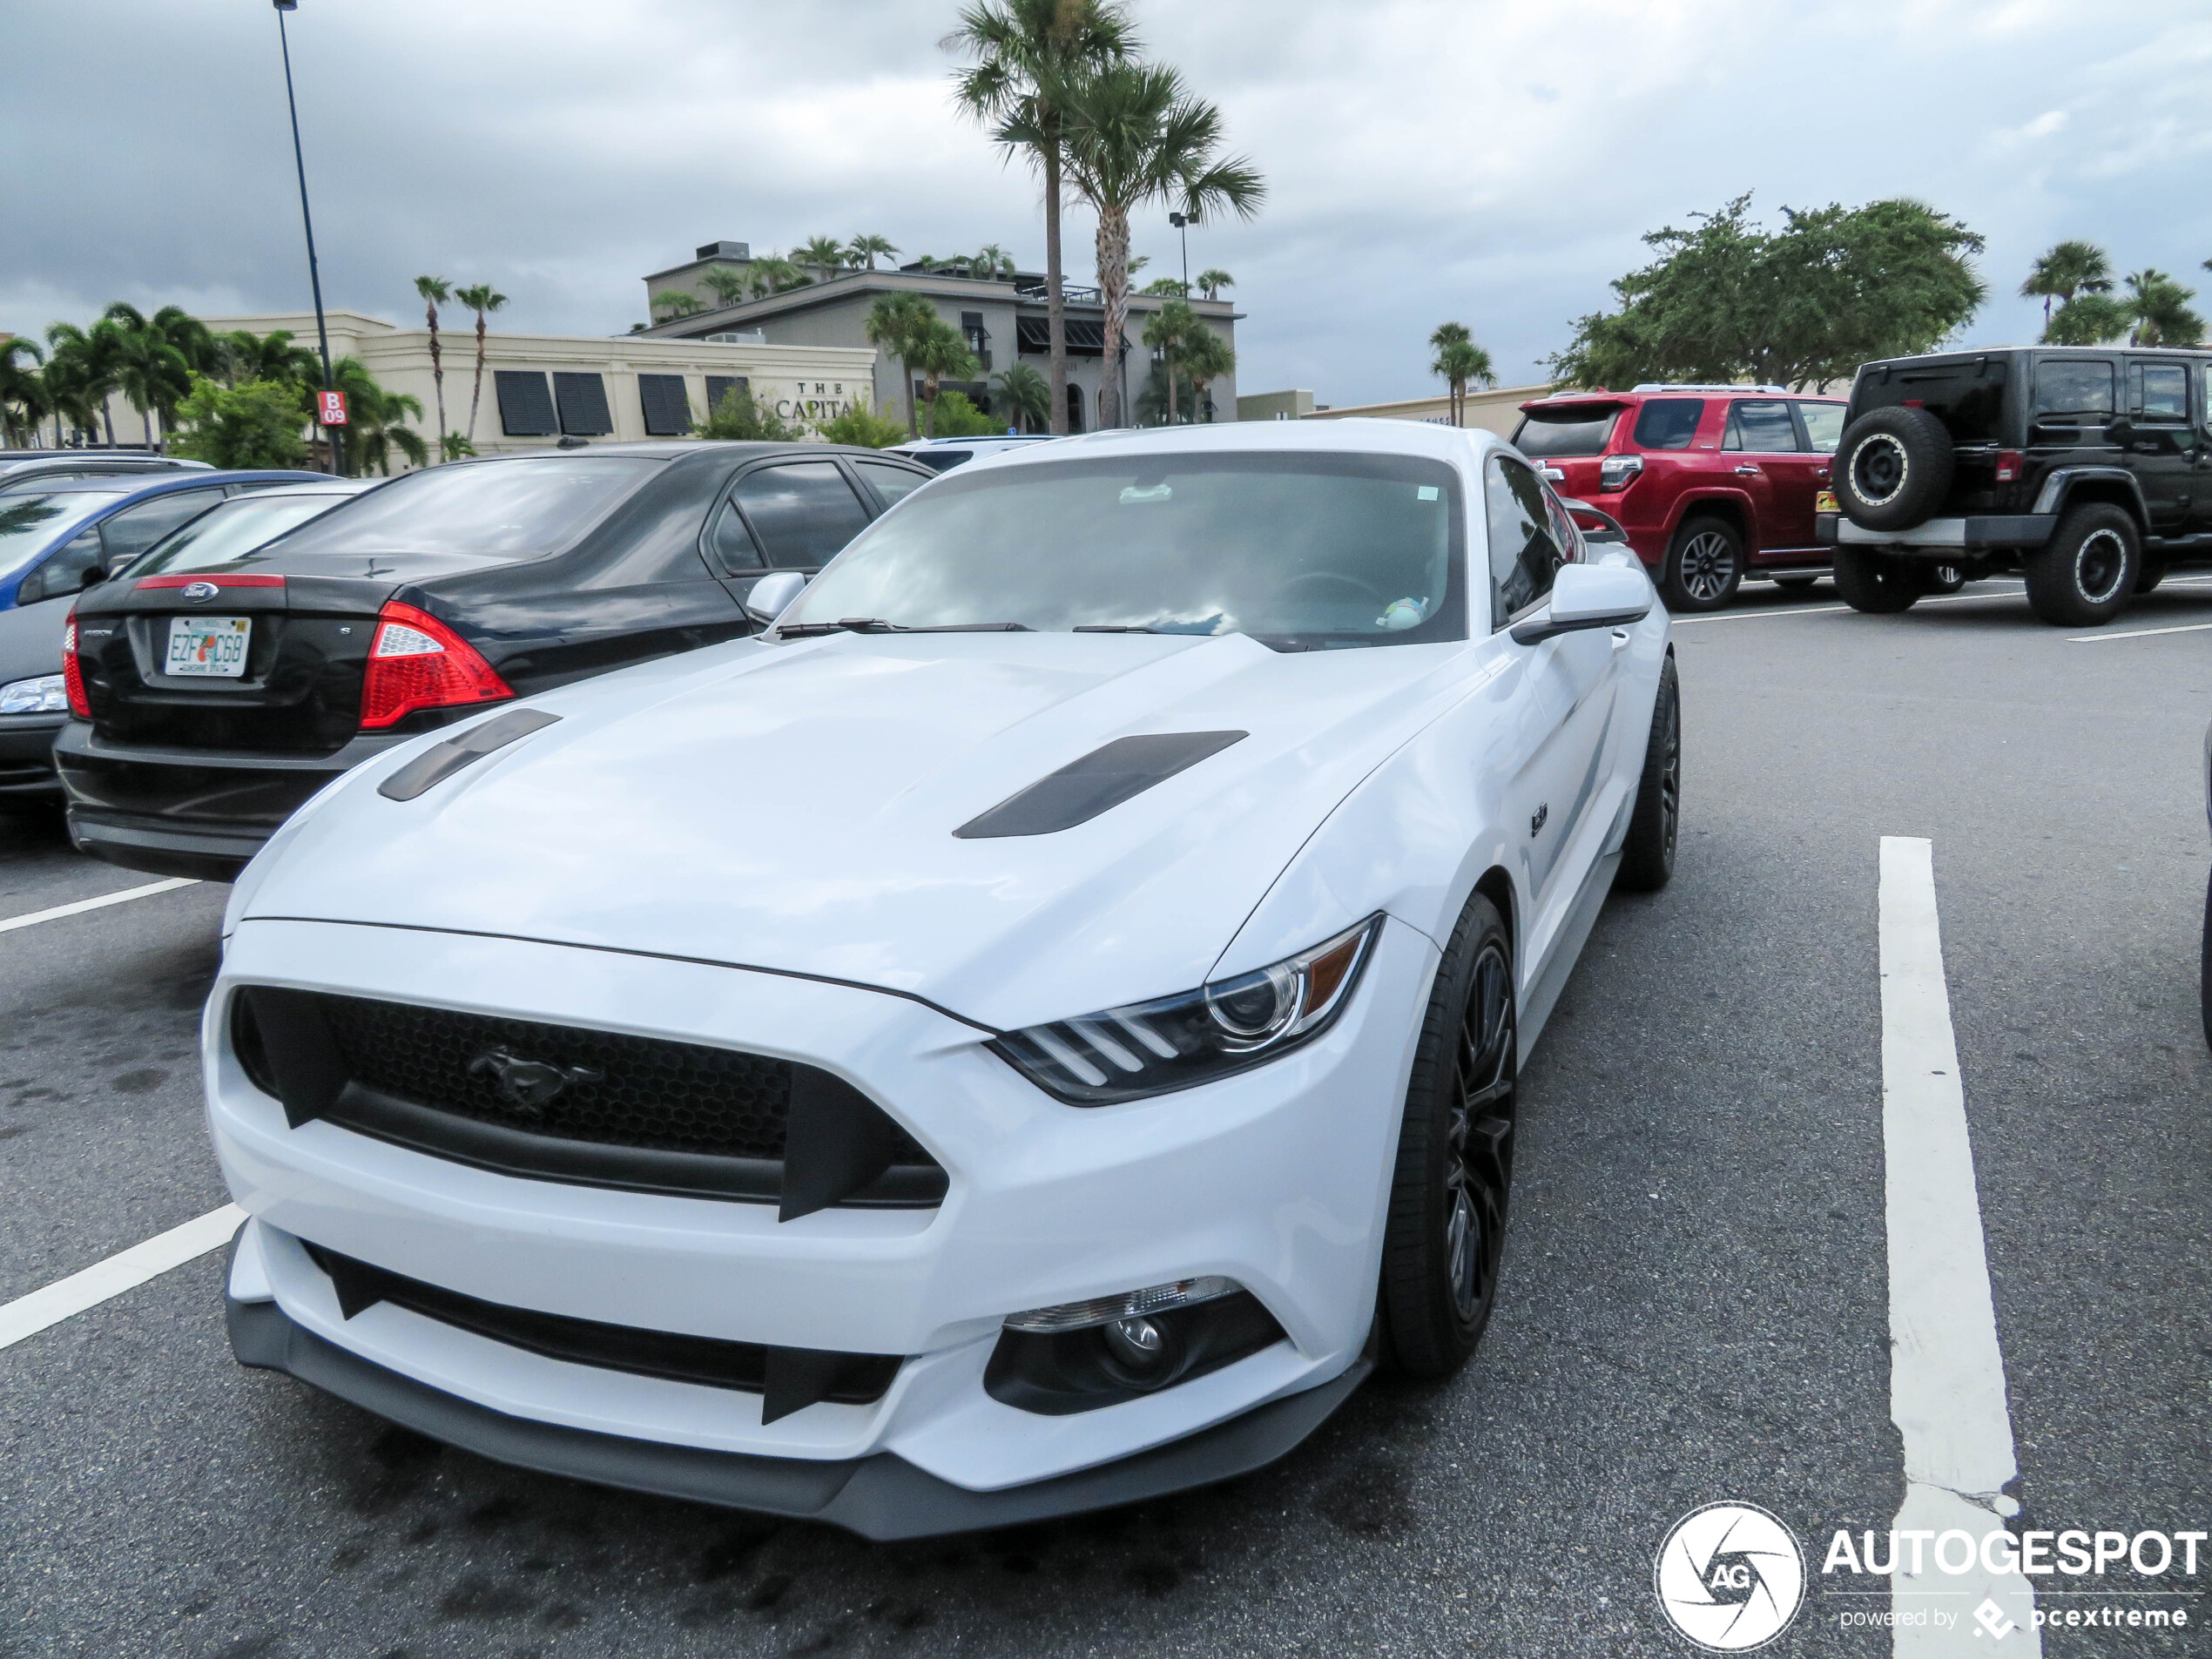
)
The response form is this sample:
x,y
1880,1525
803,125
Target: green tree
x,y
741,417
153,375
773,273
23,401
2089,319
824,255
436,291
1135,134
2067,269
992,263
375,421
245,355
1153,404
731,288
1025,55
1165,331
253,424
1024,395
955,415
455,446
1835,288
678,302
1206,357
80,374
1172,288
938,350
862,426
483,299
894,322
2158,308
1210,283
1461,363
864,251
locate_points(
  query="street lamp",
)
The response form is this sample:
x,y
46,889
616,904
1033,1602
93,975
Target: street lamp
x,y
314,276
1182,222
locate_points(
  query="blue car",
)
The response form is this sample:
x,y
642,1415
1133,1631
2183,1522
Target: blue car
x,y
51,537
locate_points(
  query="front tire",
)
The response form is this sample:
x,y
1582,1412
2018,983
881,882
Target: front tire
x,y
2084,576
1445,1238
1704,566
1648,854
1879,583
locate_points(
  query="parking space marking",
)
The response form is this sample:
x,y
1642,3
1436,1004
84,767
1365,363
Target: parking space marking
x,y
2139,633
1947,1370
77,909
28,1315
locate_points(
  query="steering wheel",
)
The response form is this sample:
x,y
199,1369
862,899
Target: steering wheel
x,y
1339,579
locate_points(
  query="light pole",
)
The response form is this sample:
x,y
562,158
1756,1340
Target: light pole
x,y
1182,222
314,275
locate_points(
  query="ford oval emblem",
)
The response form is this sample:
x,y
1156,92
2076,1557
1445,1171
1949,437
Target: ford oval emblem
x,y
200,592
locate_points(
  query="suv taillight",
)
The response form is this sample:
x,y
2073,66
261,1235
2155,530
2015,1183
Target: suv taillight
x,y
417,662
1618,472
73,676
2008,465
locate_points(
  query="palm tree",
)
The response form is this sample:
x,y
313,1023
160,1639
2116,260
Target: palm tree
x,y
436,291
373,427
24,398
774,273
1168,287
1026,53
825,255
1135,134
80,374
2069,268
153,375
245,355
730,286
678,302
483,299
938,350
2159,310
1019,391
894,323
1210,283
1461,361
1166,331
864,249
992,264
1206,357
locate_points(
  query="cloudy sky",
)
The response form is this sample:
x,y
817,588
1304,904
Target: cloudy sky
x,y
1489,162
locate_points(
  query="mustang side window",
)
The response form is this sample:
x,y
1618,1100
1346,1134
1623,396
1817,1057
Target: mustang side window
x,y
1523,556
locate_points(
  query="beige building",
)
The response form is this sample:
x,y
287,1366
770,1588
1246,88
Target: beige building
x,y
542,389
1494,409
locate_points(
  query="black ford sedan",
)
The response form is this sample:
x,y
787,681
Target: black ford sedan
x,y
208,704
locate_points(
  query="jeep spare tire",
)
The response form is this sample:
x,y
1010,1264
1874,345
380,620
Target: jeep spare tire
x,y
1893,468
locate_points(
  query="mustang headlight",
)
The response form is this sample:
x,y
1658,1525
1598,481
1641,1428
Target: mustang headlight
x,y
1194,1036
44,695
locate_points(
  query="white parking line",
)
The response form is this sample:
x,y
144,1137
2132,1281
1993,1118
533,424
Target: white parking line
x,y
28,1315
1946,1371
77,909
2138,633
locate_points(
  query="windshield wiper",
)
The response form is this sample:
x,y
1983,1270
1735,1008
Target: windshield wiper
x,y
878,625
1189,630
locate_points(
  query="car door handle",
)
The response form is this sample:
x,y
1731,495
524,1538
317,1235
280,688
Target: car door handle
x,y
1747,467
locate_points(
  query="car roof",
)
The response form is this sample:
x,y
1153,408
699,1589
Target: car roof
x,y
167,482
673,449
329,487
1361,434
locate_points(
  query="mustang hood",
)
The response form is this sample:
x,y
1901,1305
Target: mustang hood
x,y
792,806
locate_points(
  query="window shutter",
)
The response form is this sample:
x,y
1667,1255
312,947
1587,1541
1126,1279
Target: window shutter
x,y
666,408
582,399
525,407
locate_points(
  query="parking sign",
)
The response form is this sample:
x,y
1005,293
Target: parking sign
x,y
330,408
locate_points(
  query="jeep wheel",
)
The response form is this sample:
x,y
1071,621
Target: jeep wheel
x,y
1893,468
2085,575
2154,572
1704,567
1878,582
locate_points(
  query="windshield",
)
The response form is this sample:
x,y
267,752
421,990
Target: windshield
x,y
234,530
1564,432
514,509
1300,551
31,524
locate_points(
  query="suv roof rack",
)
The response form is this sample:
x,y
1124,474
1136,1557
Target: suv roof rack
x,y
1704,386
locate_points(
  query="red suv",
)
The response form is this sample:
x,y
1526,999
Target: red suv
x,y
1712,483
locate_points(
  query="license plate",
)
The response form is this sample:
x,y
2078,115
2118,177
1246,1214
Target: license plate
x,y
209,646
1826,501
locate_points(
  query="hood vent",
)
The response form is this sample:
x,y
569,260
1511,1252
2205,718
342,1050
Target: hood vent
x,y
1099,782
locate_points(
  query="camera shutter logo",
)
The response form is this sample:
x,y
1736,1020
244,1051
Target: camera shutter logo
x,y
1729,1577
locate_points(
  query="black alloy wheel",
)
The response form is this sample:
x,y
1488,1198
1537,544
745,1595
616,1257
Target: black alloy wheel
x,y
1445,1240
1943,578
1893,468
1648,851
2084,576
1704,566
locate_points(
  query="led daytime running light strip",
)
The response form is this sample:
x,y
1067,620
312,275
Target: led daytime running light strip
x,y
1130,1304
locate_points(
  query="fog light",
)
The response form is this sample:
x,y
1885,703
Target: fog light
x,y
1136,1343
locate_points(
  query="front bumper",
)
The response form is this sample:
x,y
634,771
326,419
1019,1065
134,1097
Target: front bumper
x,y
1977,533
1278,1178
27,755
189,812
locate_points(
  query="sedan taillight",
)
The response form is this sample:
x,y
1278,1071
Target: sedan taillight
x,y
1618,472
73,675
417,662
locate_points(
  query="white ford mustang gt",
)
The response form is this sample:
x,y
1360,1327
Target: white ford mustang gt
x,y
1029,1031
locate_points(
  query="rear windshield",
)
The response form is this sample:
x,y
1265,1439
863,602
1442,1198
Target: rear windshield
x,y
1544,432
1668,423
1967,396
234,530
514,509
31,524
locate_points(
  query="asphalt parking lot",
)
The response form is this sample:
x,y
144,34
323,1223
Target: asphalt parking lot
x,y
1695,1303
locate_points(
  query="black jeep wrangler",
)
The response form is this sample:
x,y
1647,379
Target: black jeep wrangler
x,y
2087,470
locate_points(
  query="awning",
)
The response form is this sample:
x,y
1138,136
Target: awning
x,y
1085,338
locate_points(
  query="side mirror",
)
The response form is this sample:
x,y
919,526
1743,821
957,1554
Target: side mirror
x,y
772,594
94,574
1589,595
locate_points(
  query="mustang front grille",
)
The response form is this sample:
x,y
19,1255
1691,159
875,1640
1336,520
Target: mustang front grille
x,y
572,1103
